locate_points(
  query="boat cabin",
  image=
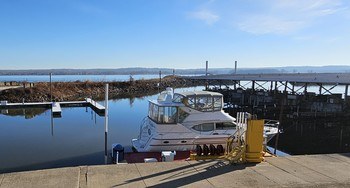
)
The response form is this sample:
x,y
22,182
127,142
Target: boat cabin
x,y
166,109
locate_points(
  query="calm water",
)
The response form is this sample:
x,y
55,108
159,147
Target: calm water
x,y
32,141
29,139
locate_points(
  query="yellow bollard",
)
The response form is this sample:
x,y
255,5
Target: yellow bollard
x,y
254,141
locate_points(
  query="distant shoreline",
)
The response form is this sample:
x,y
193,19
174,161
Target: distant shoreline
x,y
180,71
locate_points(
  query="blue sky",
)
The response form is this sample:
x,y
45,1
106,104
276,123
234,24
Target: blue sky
x,y
173,33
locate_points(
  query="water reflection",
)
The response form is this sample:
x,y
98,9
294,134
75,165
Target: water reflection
x,y
78,138
27,113
315,136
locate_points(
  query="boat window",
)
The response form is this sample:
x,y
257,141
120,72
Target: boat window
x,y
182,115
217,103
169,114
204,127
189,101
162,114
153,112
225,125
204,103
178,98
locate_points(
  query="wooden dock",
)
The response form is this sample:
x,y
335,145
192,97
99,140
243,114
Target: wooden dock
x,y
56,106
325,170
288,82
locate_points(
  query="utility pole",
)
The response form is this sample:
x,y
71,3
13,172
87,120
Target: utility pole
x,y
160,76
106,122
235,67
206,68
51,87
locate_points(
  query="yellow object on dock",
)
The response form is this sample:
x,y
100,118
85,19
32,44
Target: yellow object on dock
x,y
246,145
254,141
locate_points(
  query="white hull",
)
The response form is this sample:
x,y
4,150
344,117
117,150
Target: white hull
x,y
180,144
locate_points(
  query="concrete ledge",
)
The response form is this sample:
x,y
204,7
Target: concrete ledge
x,y
61,177
293,171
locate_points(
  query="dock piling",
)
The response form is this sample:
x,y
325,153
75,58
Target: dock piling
x,y
235,67
50,87
346,93
106,122
206,68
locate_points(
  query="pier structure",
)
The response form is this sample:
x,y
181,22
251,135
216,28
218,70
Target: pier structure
x,y
56,106
292,83
264,92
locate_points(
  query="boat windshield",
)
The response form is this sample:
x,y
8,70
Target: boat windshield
x,y
203,103
178,98
162,114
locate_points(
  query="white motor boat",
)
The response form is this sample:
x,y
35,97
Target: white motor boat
x,y
180,121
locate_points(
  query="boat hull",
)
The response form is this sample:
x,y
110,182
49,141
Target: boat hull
x,y
180,144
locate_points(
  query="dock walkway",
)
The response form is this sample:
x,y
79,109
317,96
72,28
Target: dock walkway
x,y
56,106
331,170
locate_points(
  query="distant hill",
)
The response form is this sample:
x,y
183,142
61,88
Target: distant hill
x,y
140,70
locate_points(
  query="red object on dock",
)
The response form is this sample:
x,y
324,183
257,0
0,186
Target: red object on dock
x,y
138,157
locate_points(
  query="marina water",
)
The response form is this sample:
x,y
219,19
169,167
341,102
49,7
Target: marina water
x,y
31,139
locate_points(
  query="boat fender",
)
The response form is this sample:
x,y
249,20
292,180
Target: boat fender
x,y
212,149
199,150
220,149
205,150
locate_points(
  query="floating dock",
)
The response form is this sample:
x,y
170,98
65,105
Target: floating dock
x,y
327,170
56,106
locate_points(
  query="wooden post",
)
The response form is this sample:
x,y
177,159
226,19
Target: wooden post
x,y
320,90
276,87
253,85
271,86
106,108
235,67
305,88
160,77
346,93
106,122
50,87
206,68
341,139
285,86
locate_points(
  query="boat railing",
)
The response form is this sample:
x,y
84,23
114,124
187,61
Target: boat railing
x,y
242,120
